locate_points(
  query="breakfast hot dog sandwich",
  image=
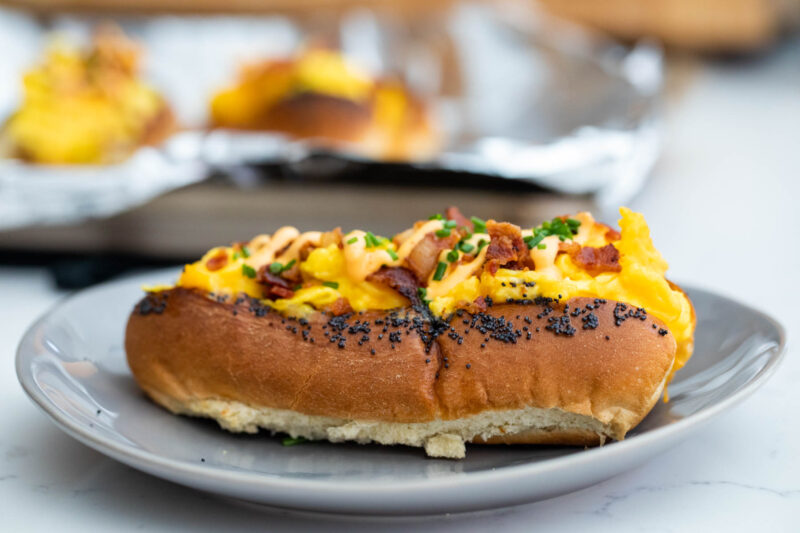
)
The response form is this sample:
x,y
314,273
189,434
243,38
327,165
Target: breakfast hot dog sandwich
x,y
456,330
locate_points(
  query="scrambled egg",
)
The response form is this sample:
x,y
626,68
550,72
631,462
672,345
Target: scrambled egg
x,y
83,107
641,281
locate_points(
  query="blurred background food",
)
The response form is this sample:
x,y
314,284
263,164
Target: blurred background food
x,y
86,106
141,133
319,94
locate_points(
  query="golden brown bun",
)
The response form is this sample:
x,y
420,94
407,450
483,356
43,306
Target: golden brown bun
x,y
378,380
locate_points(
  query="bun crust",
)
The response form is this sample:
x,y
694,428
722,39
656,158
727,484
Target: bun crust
x,y
506,375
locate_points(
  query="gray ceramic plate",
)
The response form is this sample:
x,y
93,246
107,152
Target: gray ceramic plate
x,y
72,364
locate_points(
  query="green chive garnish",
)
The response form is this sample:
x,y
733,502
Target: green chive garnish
x,y
437,216
452,255
541,246
423,294
235,256
249,271
532,241
482,244
443,233
245,251
331,284
563,229
450,224
352,241
371,240
466,247
291,441
275,268
392,254
441,268
478,224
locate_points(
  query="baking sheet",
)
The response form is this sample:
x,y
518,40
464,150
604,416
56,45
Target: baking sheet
x,y
518,95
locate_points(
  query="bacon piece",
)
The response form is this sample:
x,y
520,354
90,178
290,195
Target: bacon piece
x,y
331,237
593,260
612,234
506,247
400,279
453,213
340,307
274,286
423,258
293,274
218,261
479,305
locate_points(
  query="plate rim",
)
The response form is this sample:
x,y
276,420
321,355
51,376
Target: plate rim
x,y
321,488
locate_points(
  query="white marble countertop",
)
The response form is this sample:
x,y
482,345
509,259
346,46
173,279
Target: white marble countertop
x,y
722,205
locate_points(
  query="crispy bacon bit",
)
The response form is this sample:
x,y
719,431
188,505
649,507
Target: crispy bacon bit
x,y
453,213
280,292
274,286
293,274
218,261
424,257
479,305
400,279
331,237
594,260
339,307
612,234
506,247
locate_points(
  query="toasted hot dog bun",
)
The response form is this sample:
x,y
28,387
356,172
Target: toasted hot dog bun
x,y
505,375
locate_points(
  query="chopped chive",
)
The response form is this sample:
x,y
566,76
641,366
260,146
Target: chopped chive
x,y
437,216
478,224
331,284
443,233
450,224
371,240
298,287
352,241
482,244
532,241
235,256
441,268
249,271
277,268
541,246
245,251
392,254
452,255
422,292
466,247
291,441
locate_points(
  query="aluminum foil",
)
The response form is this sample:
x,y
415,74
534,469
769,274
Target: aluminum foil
x,y
517,95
